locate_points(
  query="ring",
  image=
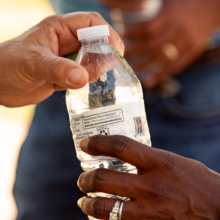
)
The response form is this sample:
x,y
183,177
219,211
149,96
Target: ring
x,y
120,210
115,211
170,51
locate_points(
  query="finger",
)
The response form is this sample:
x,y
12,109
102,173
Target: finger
x,y
61,71
134,46
149,52
100,208
156,42
152,64
159,63
59,88
122,148
185,61
111,182
64,31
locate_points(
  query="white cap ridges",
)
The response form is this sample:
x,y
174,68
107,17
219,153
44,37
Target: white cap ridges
x,y
93,32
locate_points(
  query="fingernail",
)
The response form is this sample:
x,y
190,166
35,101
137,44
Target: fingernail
x,y
79,179
76,76
79,202
84,143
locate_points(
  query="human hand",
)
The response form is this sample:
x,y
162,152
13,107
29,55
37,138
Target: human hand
x,y
167,186
172,41
31,66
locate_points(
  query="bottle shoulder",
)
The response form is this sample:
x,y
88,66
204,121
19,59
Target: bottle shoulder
x,y
101,58
111,79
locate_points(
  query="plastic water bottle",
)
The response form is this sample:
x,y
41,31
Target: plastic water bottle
x,y
111,103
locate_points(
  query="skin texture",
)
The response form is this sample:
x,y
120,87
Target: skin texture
x,y
187,24
32,66
167,186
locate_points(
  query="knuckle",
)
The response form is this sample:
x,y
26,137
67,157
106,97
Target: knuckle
x,y
98,207
95,15
51,19
100,177
48,24
121,144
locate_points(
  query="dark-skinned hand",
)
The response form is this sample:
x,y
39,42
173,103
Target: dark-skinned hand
x,y
167,186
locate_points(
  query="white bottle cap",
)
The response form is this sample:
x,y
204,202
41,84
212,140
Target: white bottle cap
x,y
93,32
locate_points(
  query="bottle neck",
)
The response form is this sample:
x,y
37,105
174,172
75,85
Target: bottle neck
x,y
101,40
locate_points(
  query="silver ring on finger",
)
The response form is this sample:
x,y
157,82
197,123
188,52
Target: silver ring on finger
x,y
120,210
114,214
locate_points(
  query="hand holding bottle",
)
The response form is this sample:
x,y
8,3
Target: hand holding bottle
x,y
32,66
167,186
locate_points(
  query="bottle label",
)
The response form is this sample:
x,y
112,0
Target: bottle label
x,y
128,119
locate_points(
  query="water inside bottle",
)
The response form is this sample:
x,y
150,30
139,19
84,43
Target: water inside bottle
x,y
110,104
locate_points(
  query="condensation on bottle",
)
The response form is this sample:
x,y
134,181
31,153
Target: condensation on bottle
x,y
110,104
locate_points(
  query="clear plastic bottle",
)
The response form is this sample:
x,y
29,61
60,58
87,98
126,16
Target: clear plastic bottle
x,y
111,103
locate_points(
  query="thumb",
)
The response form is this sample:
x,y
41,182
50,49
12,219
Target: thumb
x,y
61,71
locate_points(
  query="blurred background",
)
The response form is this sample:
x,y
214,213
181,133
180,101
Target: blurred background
x,y
16,16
